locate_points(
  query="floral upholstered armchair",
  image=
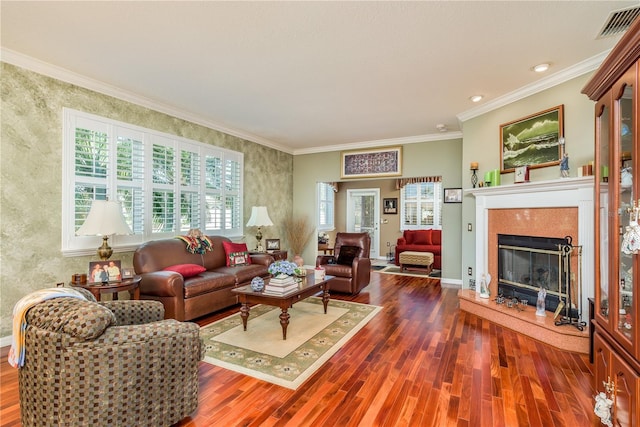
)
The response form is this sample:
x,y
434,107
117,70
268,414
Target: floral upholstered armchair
x,y
114,363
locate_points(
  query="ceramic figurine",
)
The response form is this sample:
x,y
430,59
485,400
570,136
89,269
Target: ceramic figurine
x,y
540,304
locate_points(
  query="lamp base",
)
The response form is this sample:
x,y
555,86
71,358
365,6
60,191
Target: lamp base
x,y
105,251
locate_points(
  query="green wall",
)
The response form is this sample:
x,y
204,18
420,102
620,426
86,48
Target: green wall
x,y
31,178
481,144
420,159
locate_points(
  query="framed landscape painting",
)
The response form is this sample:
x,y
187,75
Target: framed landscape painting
x,y
532,141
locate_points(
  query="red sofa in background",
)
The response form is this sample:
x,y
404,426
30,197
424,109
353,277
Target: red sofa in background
x,y
421,241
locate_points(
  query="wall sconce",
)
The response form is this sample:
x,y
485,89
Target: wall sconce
x,y
105,218
474,175
259,218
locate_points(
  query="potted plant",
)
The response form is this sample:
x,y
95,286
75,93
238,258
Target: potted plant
x,y
298,231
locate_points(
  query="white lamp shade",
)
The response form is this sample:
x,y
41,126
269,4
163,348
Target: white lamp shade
x,y
259,217
105,218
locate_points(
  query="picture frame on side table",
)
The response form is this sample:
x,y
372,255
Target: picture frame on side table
x,y
105,271
375,163
453,195
533,141
272,244
128,273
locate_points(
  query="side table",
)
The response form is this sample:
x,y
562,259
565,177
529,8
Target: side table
x,y
97,289
277,255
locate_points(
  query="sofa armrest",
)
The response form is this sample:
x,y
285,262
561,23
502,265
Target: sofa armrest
x,y
129,312
162,284
262,259
401,241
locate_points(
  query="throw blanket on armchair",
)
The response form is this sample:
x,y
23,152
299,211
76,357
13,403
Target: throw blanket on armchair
x,y
16,353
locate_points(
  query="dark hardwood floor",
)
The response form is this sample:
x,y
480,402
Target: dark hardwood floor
x,y
419,362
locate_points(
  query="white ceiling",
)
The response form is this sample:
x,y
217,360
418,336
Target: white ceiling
x,y
311,76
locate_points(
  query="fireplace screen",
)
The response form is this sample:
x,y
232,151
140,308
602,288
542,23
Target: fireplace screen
x,y
527,263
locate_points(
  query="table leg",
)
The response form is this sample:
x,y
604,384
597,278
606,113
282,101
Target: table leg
x,y
96,294
244,314
325,298
114,296
135,293
284,321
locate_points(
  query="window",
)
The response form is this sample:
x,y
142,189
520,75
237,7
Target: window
x,y
326,206
421,205
166,184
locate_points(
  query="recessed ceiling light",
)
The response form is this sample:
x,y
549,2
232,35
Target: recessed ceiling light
x,y
476,98
541,68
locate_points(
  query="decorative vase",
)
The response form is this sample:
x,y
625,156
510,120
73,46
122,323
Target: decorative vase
x,y
257,284
297,259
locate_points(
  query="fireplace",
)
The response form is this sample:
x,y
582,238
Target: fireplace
x,y
551,210
527,264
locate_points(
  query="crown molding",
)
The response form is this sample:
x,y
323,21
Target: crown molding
x,y
441,136
565,75
32,64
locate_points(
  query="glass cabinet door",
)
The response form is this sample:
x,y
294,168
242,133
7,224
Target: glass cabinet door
x,y
627,211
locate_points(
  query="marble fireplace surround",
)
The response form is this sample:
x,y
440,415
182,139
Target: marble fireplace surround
x,y
557,208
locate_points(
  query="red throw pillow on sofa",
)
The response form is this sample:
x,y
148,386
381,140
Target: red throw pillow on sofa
x,y
187,270
237,254
422,237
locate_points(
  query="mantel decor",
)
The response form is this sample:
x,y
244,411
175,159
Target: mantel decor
x,y
532,141
372,163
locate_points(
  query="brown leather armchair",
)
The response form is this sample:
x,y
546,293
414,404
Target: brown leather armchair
x,y
350,263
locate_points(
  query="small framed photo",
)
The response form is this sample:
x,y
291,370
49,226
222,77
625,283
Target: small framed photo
x,y
128,273
273,244
105,271
390,206
453,195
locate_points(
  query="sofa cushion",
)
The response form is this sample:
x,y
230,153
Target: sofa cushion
x,y
187,270
421,237
347,254
234,253
244,274
206,282
436,237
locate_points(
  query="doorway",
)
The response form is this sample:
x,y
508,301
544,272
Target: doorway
x,y
363,215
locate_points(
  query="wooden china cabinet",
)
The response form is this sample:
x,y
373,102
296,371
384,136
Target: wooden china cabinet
x,y
616,89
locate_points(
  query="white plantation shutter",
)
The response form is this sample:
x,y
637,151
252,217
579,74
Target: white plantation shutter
x,y
326,206
166,184
421,205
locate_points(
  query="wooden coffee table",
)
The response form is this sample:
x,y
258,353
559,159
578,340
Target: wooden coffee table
x,y
309,286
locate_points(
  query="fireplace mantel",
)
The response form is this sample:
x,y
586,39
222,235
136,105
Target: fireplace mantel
x,y
562,192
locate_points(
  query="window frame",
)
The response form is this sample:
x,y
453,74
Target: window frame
x,y
116,131
437,201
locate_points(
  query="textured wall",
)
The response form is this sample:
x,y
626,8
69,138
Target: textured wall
x,y
31,177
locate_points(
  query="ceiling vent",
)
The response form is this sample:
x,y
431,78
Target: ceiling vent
x,y
618,21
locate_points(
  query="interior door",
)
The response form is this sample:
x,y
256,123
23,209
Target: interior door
x,y
363,215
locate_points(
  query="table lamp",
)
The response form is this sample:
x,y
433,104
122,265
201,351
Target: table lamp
x,y
259,218
105,219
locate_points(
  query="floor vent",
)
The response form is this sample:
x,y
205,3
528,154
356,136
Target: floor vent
x,y
618,21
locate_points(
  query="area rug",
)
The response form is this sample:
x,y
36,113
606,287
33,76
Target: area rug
x,y
312,338
394,269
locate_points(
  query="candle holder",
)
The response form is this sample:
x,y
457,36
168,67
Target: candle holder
x,y
474,174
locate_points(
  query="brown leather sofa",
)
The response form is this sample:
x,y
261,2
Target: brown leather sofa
x,y
187,299
351,276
